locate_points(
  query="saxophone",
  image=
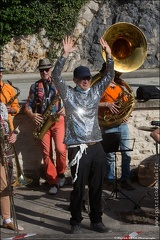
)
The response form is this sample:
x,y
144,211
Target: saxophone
x,y
48,120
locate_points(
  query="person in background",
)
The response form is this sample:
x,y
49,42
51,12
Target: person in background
x,y
156,135
110,100
83,137
41,93
5,183
7,93
8,97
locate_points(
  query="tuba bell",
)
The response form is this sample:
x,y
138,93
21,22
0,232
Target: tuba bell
x,y
129,49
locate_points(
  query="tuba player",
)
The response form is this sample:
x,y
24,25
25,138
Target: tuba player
x,y
112,100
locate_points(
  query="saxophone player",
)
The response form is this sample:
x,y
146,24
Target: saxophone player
x,y
41,94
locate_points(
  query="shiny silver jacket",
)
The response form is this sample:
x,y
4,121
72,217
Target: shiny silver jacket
x,y
81,121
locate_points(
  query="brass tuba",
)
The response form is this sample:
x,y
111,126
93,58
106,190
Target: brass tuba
x,y
129,50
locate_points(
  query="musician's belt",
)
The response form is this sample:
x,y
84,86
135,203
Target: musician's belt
x,y
91,143
88,144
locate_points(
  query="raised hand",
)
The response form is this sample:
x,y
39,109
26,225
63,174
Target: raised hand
x,y
105,47
68,46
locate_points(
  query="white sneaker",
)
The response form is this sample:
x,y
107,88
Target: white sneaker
x,y
53,190
61,182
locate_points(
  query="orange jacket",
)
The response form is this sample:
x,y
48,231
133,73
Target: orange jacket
x,y
6,93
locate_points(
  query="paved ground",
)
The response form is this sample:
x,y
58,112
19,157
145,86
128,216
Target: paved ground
x,y
47,216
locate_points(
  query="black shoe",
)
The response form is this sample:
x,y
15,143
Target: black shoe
x,y
110,186
100,227
126,184
76,229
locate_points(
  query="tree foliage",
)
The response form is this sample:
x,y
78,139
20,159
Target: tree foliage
x,y
26,17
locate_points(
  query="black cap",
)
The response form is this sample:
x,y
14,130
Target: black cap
x,y
81,72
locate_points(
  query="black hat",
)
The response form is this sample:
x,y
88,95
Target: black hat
x,y
81,72
1,67
44,64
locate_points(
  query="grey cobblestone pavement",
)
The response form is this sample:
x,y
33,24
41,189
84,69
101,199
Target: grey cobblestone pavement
x,y
47,216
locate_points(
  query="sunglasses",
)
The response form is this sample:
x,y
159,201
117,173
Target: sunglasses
x,y
42,70
84,78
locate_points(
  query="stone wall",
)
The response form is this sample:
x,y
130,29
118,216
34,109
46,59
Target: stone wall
x,y
144,146
21,54
29,151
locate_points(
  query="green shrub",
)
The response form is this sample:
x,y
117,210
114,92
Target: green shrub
x,y
26,17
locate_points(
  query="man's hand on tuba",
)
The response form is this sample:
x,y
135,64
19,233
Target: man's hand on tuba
x,y
113,107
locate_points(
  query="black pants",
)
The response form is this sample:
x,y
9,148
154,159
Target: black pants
x,y
91,171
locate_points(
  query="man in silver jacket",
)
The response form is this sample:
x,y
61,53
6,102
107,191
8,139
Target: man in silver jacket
x,y
86,156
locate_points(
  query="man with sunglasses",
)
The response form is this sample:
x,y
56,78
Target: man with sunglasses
x,y
41,93
83,137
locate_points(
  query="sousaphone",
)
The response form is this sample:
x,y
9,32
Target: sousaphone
x,y
129,49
